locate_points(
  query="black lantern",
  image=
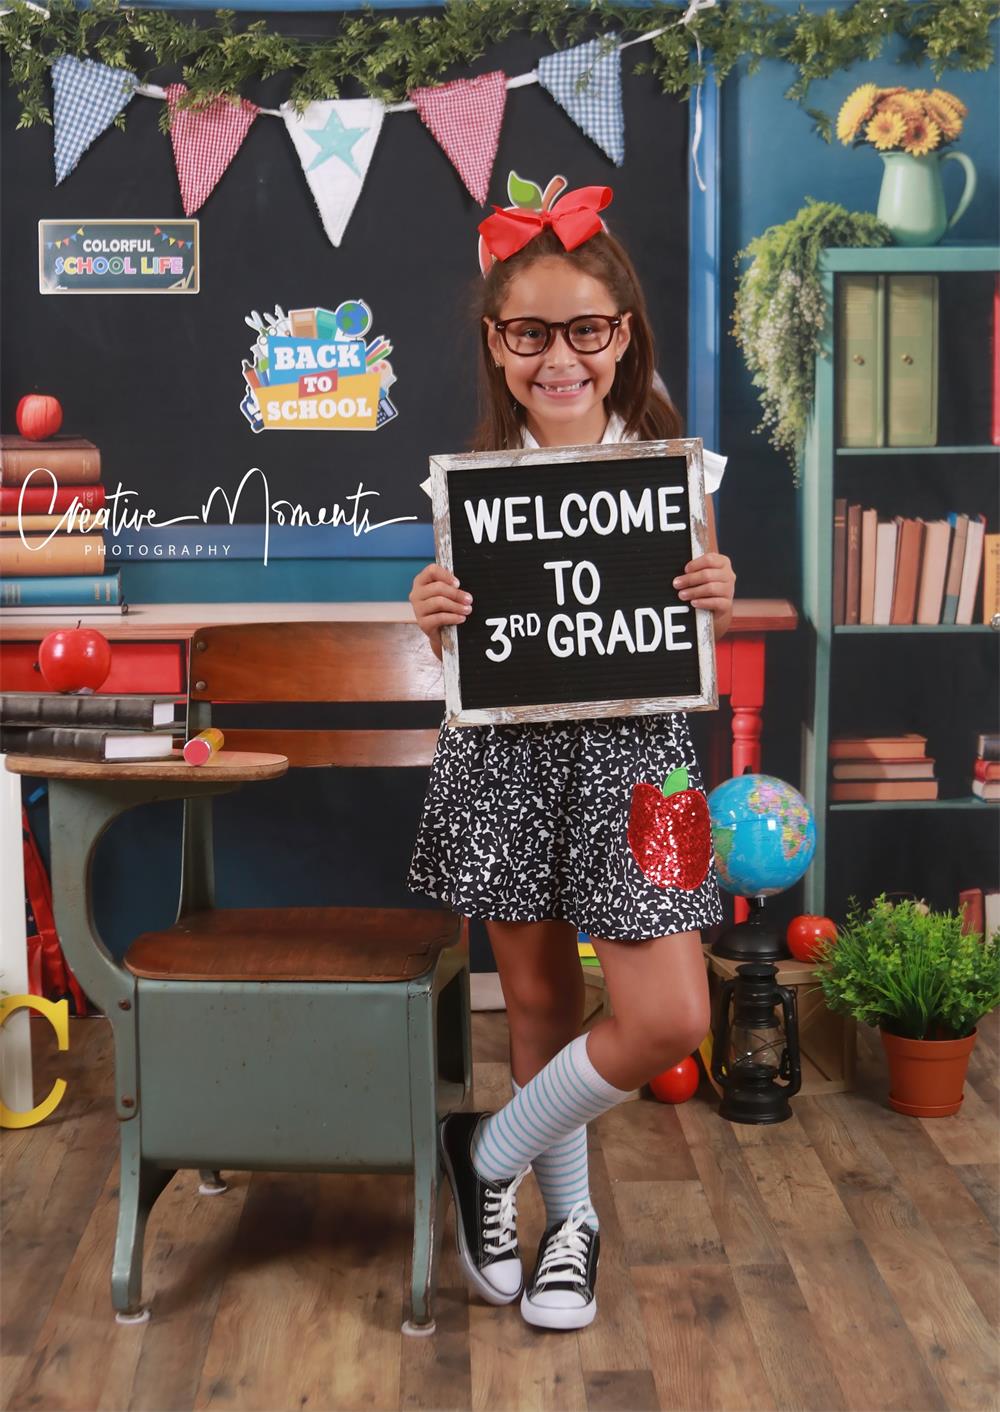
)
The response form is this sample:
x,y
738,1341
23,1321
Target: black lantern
x,y
751,1053
756,939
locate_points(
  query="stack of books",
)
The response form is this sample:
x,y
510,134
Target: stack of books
x,y
980,911
881,768
588,956
102,728
61,567
986,769
905,570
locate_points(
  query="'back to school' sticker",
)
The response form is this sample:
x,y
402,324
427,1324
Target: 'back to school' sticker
x,y
316,370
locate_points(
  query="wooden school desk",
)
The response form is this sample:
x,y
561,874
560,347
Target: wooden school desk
x,y
158,637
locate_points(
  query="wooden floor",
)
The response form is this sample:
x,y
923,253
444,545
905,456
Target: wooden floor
x,y
844,1259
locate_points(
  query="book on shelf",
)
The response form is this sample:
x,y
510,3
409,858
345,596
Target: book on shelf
x,y
45,592
919,768
62,554
27,708
911,312
986,769
909,544
878,747
40,499
933,567
991,909
885,572
869,548
863,791
852,590
82,743
991,577
971,568
989,790
972,910
860,325
72,460
839,561
956,562
988,746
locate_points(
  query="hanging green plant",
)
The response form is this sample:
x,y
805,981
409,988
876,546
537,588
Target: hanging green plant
x,y
780,311
385,56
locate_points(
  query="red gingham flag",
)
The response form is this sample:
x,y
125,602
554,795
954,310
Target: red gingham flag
x,y
465,118
205,141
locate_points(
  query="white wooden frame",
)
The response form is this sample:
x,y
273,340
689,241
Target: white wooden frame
x,y
442,467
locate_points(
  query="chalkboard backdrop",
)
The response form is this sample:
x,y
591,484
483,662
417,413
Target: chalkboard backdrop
x,y
157,384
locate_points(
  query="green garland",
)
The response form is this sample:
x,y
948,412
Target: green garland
x,y
384,56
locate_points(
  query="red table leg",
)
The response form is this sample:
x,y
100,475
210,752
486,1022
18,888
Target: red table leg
x,y
746,697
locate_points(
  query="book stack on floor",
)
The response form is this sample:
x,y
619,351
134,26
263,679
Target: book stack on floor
x,y
980,911
986,769
892,767
61,568
904,570
100,728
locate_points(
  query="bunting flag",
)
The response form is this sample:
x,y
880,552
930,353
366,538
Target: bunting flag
x,y
205,140
335,140
86,99
465,118
596,106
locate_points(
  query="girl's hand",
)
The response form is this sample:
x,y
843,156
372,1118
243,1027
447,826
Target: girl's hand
x,y
709,582
437,600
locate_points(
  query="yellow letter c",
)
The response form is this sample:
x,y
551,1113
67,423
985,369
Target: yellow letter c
x,y
57,1014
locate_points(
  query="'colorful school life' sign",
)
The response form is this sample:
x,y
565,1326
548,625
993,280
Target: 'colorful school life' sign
x,y
315,370
570,554
118,257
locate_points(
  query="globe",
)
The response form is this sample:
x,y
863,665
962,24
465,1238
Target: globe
x,y
763,833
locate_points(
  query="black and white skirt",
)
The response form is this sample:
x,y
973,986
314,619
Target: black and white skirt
x,y
569,820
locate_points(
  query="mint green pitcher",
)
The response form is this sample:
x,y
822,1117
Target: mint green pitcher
x,y
911,201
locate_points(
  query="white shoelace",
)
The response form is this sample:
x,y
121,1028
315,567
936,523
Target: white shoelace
x,y
500,1220
565,1258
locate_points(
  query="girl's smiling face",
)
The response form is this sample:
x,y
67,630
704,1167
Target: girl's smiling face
x,y
562,391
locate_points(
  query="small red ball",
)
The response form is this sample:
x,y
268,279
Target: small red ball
x,y
38,416
74,659
806,934
678,1084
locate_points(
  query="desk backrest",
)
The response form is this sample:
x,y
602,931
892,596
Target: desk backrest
x,y
323,661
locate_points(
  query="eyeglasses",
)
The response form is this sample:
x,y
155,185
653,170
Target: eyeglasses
x,y
587,333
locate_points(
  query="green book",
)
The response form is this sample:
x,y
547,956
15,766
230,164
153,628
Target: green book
x,y
860,360
912,359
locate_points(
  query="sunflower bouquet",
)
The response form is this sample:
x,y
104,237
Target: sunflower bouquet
x,y
909,120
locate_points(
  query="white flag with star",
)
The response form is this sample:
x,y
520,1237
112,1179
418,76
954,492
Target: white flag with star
x,y
335,140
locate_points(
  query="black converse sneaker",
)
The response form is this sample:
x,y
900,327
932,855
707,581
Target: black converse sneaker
x,y
560,1294
485,1215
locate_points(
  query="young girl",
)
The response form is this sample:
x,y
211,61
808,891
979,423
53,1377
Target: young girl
x,y
527,826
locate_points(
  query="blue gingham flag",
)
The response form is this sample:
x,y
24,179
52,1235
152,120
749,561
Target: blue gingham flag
x,y
87,98
595,107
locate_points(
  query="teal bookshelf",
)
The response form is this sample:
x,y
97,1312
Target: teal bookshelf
x,y
823,463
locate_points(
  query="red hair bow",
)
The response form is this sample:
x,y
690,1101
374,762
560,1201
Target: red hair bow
x,y
573,217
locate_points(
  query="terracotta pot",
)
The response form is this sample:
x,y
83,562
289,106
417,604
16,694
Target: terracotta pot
x,y
927,1076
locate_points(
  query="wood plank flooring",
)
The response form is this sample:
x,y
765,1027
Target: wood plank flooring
x,y
846,1259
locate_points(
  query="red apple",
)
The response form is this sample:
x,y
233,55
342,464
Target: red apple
x,y
670,833
74,659
806,933
678,1084
38,416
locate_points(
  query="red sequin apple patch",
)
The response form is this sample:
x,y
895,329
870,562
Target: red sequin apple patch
x,y
669,833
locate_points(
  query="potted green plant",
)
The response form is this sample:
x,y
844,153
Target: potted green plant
x,y
912,973
780,312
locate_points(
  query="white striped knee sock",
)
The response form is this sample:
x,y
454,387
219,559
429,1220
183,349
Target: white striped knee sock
x,y
566,1094
563,1175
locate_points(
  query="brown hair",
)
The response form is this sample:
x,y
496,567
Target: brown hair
x,y
645,410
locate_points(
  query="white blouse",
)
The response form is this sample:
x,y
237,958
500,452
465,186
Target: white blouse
x,y
715,465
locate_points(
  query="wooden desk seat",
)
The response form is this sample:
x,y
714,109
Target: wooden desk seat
x,y
295,944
